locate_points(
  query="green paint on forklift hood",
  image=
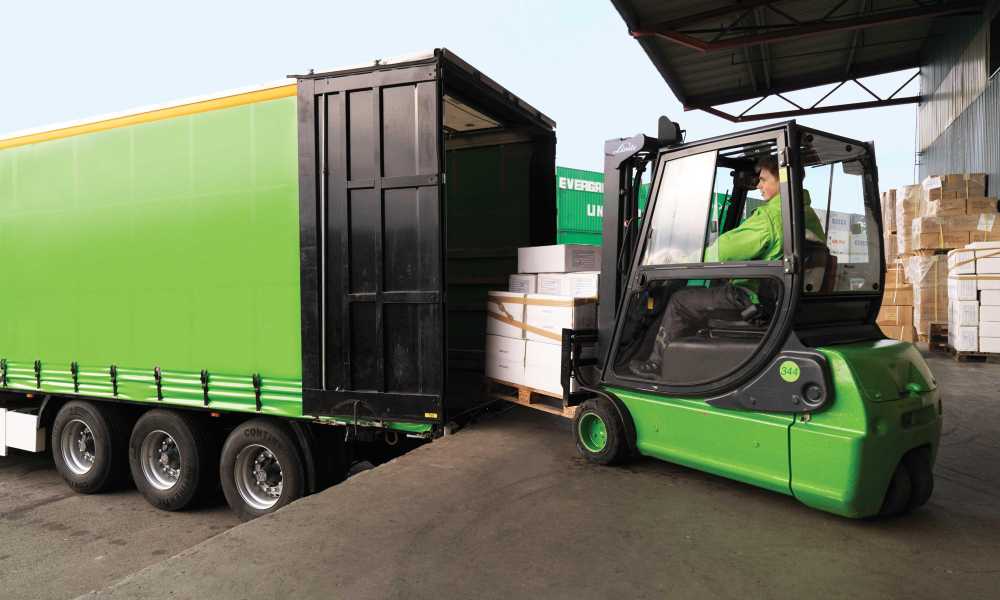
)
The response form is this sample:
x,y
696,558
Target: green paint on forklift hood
x,y
885,369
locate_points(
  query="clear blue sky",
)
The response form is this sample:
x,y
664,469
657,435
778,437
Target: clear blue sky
x,y
573,60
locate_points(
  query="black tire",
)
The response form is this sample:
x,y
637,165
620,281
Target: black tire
x,y
897,497
918,465
614,448
82,435
192,447
268,441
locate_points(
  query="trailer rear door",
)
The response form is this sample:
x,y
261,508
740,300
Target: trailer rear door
x,y
372,283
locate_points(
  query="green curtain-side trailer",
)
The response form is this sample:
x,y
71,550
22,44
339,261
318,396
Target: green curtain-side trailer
x,y
312,249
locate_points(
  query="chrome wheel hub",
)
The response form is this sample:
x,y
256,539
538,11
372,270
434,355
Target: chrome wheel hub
x,y
161,460
78,448
258,476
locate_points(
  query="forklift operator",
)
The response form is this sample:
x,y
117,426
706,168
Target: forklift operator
x,y
760,237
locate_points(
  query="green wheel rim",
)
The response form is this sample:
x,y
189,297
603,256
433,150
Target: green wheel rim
x,y
593,432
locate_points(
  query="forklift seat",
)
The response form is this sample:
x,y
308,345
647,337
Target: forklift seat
x,y
820,268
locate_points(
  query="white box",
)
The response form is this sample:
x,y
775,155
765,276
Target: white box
x,y
543,368
561,258
21,431
989,344
505,305
987,265
553,313
961,289
522,283
961,262
989,313
989,329
965,313
505,359
966,339
982,283
574,285
989,298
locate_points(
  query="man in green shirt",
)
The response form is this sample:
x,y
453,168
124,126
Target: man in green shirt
x,y
760,237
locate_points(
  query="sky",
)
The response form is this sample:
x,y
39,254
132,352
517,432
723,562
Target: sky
x,y
573,60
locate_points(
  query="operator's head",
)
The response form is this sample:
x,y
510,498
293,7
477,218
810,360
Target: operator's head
x,y
767,177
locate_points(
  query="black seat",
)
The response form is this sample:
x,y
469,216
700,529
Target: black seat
x,y
752,322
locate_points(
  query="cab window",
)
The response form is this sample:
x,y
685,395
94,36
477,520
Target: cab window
x,y
683,331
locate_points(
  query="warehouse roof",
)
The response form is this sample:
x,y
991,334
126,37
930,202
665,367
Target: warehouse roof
x,y
713,52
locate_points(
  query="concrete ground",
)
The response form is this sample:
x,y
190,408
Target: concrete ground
x,y
58,544
506,509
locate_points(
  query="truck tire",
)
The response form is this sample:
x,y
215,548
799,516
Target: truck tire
x,y
89,446
599,432
261,469
897,497
172,458
918,465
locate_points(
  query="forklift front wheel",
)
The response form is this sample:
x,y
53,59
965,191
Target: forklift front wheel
x,y
599,432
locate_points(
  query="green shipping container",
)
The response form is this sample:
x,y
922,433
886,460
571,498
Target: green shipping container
x,y
580,205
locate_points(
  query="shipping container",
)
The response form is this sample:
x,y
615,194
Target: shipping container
x,y
580,205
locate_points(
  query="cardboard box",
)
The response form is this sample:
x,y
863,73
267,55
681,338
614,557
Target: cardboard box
x,y
947,207
989,298
505,359
554,313
989,313
889,210
944,225
523,283
987,266
574,285
542,368
940,240
981,205
961,262
965,339
961,289
964,313
507,305
989,329
964,185
987,282
895,316
989,344
561,258
898,297
903,333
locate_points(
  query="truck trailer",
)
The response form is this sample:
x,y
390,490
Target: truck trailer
x,y
255,286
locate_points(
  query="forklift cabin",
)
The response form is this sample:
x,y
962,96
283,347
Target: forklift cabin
x,y
732,384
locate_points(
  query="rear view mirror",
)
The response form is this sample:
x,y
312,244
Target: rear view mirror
x,y
668,132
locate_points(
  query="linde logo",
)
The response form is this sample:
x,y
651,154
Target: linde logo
x,y
581,185
626,146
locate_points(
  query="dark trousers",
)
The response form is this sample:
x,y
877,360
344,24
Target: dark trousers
x,y
689,309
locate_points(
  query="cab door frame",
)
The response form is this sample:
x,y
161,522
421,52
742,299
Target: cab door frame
x,y
785,270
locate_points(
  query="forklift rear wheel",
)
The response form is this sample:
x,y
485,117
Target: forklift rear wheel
x,y
918,465
600,435
897,497
172,459
261,469
89,447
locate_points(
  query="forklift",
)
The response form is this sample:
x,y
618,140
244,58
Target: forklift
x,y
799,392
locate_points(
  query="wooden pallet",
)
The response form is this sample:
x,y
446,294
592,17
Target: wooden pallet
x,y
937,339
528,396
979,357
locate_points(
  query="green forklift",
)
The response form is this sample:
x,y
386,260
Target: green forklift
x,y
792,386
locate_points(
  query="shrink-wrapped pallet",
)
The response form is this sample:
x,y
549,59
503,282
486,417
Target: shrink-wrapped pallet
x,y
908,207
889,211
929,276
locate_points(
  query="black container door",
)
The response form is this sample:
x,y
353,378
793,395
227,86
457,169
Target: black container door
x,y
375,348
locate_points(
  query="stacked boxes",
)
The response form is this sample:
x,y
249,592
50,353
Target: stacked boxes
x,y
929,276
908,204
556,288
896,316
974,292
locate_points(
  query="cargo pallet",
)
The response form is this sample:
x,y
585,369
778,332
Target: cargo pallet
x,y
528,396
937,340
979,357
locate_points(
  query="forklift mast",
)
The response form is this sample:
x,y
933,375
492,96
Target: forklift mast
x,y
625,162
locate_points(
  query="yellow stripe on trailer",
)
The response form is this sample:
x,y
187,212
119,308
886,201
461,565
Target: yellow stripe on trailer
x,y
160,114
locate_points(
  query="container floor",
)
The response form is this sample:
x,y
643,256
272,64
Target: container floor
x,y
505,509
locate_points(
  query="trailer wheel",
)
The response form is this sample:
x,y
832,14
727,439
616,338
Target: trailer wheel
x,y
897,497
89,447
172,459
261,469
599,433
918,465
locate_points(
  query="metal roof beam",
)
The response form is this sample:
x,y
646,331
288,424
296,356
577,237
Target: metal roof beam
x,y
710,14
811,28
785,114
792,84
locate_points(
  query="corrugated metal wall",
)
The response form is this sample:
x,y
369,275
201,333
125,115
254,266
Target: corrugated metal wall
x,y
959,120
